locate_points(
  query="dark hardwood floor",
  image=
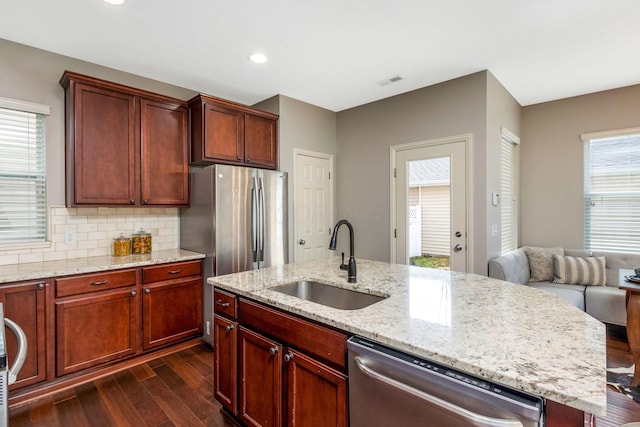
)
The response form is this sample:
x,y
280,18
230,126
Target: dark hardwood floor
x,y
174,390
177,390
620,408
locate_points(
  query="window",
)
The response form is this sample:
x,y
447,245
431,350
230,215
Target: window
x,y
22,172
508,187
612,191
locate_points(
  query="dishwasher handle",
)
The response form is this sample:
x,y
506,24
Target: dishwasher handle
x,y
21,354
476,419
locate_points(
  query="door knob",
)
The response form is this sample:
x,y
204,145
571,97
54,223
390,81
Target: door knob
x,y
457,248
302,242
458,234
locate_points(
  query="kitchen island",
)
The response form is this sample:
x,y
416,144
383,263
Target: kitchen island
x,y
513,335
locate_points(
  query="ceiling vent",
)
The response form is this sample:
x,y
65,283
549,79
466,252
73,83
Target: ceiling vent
x,y
390,80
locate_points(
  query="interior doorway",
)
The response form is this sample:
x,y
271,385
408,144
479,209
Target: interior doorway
x,y
312,204
429,203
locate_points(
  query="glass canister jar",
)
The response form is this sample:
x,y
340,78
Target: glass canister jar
x,y
121,246
141,242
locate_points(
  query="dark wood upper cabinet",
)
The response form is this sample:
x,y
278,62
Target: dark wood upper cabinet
x,y
230,133
124,146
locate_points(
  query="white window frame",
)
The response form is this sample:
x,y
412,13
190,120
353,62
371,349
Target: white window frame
x,y
616,227
41,234
508,190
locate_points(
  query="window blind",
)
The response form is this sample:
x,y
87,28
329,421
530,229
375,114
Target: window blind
x,y
508,203
22,174
612,193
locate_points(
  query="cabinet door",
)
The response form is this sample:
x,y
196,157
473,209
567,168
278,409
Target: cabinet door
x,y
101,147
260,146
24,303
260,380
316,394
172,311
225,362
223,134
164,159
96,329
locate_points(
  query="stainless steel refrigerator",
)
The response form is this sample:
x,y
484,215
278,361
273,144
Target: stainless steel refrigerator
x,y
238,218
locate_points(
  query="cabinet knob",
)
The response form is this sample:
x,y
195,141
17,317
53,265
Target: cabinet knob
x,y
288,357
273,350
145,202
248,160
134,293
239,158
229,328
132,201
147,290
40,286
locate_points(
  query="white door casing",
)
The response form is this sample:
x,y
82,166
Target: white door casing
x,y
312,204
458,149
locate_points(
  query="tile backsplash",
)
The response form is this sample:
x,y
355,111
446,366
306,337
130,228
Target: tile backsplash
x,y
92,231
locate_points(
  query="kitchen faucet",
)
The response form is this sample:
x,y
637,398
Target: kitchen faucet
x,y
351,267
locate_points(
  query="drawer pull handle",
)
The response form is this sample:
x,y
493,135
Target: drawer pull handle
x,y
223,304
102,282
175,271
229,328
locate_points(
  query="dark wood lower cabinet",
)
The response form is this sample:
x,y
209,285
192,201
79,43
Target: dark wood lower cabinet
x,y
172,311
260,380
225,366
94,329
273,369
24,303
316,394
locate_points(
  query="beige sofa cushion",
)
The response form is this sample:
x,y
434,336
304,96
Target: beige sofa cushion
x,y
588,271
541,262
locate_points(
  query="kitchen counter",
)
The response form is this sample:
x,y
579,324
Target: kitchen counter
x,y
43,270
511,334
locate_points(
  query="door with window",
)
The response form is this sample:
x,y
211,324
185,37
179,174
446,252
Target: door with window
x,y
430,178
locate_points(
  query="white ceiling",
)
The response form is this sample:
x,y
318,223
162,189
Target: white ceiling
x,y
333,53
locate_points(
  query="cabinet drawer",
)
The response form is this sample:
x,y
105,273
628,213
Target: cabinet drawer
x,y
95,282
225,303
319,341
171,271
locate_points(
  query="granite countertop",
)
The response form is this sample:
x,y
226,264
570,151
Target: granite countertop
x,y
43,270
514,335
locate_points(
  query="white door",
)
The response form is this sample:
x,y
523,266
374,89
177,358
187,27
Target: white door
x,y
443,164
313,205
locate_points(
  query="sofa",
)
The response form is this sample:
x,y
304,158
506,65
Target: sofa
x,y
604,302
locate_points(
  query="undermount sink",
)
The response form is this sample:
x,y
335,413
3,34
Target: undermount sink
x,y
332,296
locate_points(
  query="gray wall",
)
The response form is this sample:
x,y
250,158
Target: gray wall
x,y
302,126
30,74
365,134
552,161
502,111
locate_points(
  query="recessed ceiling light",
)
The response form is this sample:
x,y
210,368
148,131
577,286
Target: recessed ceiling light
x,y
258,58
115,2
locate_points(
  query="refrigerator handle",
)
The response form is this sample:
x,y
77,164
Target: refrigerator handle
x,y
254,219
262,218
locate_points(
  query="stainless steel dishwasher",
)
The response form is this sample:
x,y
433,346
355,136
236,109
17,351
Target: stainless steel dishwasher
x,y
391,388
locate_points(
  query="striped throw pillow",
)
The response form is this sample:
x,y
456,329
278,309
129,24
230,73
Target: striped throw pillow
x,y
579,271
